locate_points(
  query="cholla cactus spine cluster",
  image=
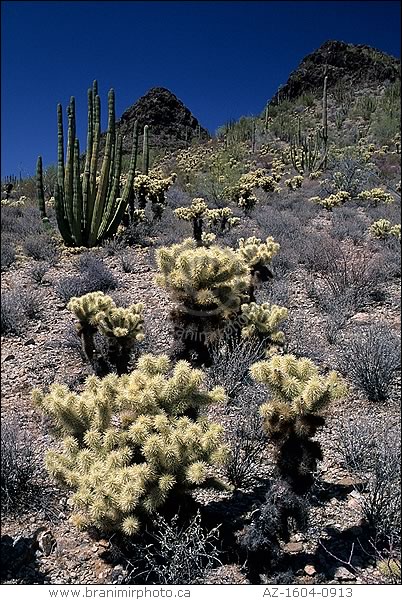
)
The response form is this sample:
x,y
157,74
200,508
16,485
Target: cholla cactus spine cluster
x,y
377,196
128,443
331,201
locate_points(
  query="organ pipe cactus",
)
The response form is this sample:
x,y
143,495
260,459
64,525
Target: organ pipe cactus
x,y
39,190
145,151
89,208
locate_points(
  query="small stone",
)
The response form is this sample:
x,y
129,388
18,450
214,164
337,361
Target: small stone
x,y
310,570
47,542
293,547
8,357
29,342
354,504
342,574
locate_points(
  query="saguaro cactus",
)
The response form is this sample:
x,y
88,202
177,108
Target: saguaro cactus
x,y
89,208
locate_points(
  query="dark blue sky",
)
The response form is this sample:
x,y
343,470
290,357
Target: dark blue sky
x,y
223,59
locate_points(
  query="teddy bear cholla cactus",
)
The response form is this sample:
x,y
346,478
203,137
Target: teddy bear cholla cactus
x,y
152,188
332,200
122,326
128,442
258,256
208,285
199,213
242,192
295,182
297,394
264,320
377,196
383,229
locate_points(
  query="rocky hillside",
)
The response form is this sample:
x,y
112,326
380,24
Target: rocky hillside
x,y
171,123
348,63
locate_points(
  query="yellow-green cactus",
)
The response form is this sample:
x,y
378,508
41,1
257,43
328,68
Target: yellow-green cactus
x,y
332,200
264,320
152,188
199,213
383,229
122,323
295,182
122,326
377,196
242,192
87,307
208,286
257,253
128,444
297,393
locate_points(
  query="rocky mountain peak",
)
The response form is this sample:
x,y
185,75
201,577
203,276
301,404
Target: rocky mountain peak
x,y
171,123
353,64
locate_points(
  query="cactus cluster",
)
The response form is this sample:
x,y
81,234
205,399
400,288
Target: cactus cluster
x,y
257,254
376,196
297,393
243,192
331,201
383,229
295,182
208,286
151,188
97,312
220,219
129,442
90,210
264,320
305,153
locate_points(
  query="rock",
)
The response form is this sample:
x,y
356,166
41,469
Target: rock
x,y
351,482
47,542
310,570
9,357
293,547
29,342
342,574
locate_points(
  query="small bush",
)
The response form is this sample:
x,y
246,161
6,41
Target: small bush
x,y
94,277
232,358
247,443
373,452
38,271
97,272
371,359
17,467
41,247
17,308
21,222
7,254
352,276
177,555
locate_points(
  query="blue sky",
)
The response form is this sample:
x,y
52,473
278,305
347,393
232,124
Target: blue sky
x,y
223,59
